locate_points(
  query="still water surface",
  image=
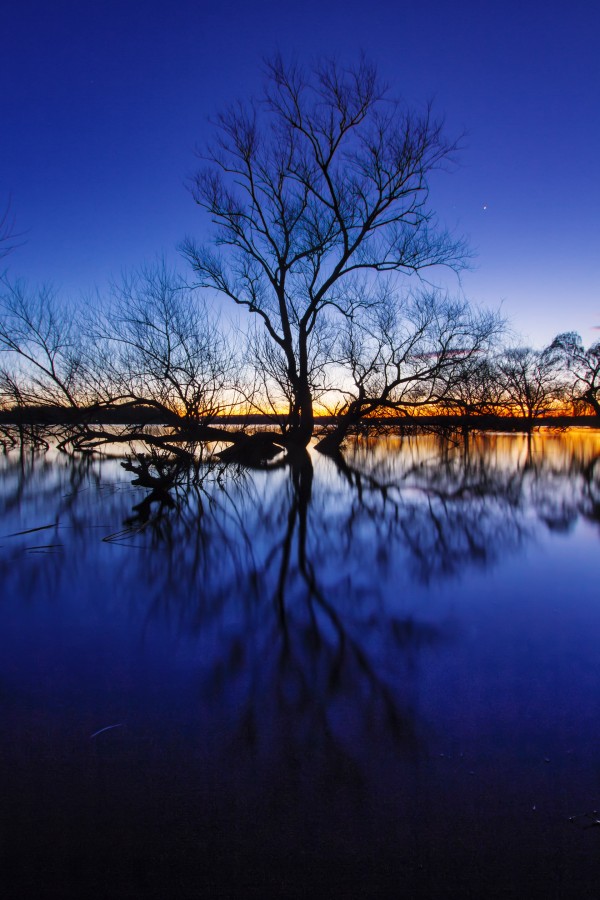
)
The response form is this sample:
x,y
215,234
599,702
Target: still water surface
x,y
377,676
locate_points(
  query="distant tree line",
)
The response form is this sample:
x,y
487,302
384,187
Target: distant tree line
x,y
319,199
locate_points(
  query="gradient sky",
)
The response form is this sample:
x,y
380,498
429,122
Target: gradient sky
x,y
103,104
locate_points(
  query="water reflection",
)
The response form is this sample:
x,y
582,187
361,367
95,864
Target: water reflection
x,y
296,577
307,606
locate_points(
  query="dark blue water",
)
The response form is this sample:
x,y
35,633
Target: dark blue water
x,y
370,677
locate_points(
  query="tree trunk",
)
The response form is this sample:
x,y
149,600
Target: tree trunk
x,y
302,417
590,397
331,443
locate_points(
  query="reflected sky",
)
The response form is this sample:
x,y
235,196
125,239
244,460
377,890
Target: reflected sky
x,y
375,673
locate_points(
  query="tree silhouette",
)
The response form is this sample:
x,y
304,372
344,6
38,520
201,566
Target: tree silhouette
x,y
324,180
582,365
401,355
531,380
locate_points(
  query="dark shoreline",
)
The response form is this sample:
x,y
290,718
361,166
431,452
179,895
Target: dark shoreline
x,y
141,416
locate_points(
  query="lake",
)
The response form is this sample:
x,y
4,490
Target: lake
x,y
365,677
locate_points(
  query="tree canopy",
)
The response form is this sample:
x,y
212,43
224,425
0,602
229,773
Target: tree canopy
x,y
322,181
320,228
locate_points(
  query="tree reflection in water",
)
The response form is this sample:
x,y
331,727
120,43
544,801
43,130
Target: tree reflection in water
x,y
297,585
288,576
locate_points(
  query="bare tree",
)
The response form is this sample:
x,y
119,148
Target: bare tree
x,y
42,345
530,380
325,178
164,347
402,355
475,389
153,345
583,367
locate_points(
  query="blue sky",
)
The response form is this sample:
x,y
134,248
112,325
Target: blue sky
x,y
103,104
